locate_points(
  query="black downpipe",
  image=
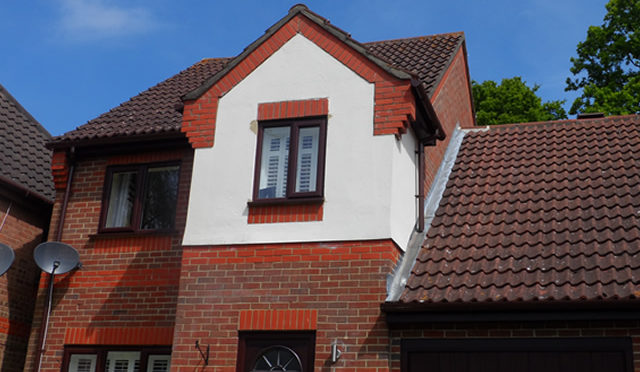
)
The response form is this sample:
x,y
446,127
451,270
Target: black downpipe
x,y
46,309
65,200
420,186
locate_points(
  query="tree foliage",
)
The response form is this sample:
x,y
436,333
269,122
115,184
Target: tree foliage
x,y
512,101
607,69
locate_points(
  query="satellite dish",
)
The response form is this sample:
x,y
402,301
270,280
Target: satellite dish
x,y
53,258
56,257
6,258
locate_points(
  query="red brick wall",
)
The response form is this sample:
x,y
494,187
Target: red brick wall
x,y
285,213
126,291
293,109
23,230
334,288
452,103
520,330
394,100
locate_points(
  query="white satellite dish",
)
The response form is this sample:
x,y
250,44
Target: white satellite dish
x,y
6,258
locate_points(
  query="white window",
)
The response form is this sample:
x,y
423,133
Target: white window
x,y
123,361
158,363
274,164
106,359
82,363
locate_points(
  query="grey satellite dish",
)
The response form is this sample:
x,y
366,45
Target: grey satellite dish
x,y
6,258
55,257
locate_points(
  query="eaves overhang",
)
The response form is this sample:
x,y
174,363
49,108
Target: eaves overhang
x,y
124,140
404,314
429,129
24,191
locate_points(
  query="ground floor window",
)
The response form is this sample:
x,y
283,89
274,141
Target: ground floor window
x,y
116,359
276,351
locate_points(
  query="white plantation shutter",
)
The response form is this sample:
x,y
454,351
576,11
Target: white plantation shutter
x,y
273,167
307,167
158,363
82,363
123,361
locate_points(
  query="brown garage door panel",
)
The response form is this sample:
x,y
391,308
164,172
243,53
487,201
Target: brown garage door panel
x,y
526,355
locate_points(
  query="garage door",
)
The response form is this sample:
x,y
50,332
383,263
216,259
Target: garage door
x,y
522,355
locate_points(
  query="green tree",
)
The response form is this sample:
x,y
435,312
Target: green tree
x,y
512,101
607,69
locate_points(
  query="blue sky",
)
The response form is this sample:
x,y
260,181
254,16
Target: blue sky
x,y
68,61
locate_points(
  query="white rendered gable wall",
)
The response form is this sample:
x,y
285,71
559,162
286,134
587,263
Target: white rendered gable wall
x,y
359,167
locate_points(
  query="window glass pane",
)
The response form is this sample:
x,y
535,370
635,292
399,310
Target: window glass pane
x,y
277,358
123,361
82,363
307,167
121,199
273,166
158,363
160,198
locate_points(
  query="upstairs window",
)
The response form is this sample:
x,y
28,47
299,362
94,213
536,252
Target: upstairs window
x,y
290,160
140,198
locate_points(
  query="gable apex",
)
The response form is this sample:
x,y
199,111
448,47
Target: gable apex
x,y
323,23
397,95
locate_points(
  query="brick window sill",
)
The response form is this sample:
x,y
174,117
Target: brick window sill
x,y
132,234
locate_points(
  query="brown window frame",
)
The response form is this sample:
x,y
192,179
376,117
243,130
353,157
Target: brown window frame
x,y
141,179
101,352
295,125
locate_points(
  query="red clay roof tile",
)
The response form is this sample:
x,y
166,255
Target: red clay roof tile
x,y
154,110
426,56
537,212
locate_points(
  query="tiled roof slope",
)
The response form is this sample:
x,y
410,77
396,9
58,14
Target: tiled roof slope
x,y
24,160
154,110
427,56
544,212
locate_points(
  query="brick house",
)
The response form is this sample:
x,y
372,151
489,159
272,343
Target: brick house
x,y
26,198
266,211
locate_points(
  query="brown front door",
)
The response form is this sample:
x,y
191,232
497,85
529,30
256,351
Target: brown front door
x,y
276,351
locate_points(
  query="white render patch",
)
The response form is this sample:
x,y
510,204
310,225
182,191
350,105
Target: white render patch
x,y
361,200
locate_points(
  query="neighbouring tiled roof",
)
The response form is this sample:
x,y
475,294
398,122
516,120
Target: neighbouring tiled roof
x,y
539,212
154,110
427,56
24,160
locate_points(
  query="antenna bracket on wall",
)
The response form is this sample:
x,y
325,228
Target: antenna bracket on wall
x,y
204,355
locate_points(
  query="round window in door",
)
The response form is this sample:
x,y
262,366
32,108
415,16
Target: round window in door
x,y
278,358
261,351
